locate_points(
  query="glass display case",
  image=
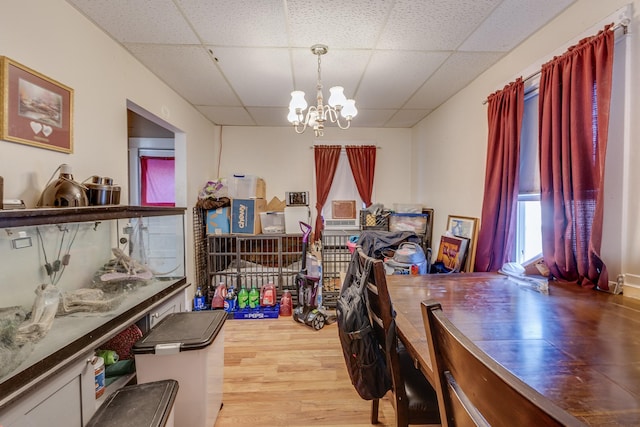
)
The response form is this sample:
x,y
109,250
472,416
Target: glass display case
x,y
72,278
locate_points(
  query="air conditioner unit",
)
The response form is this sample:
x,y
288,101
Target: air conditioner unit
x,y
341,224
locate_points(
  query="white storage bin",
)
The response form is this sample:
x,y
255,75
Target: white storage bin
x,y
141,405
246,187
292,217
272,222
187,347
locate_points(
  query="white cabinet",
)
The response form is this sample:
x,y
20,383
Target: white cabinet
x,y
175,304
68,399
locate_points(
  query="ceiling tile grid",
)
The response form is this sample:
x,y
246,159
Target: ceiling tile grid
x,y
237,61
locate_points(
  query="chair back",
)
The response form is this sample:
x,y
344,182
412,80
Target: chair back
x,y
475,390
384,327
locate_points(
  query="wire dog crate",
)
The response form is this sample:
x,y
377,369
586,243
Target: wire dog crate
x,y
237,261
335,262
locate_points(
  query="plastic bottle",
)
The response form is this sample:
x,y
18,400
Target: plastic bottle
x,y
254,297
268,295
243,298
285,304
219,296
230,301
198,300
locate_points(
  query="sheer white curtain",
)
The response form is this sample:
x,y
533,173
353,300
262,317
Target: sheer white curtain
x,y
343,187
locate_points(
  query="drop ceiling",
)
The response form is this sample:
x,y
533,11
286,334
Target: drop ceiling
x,y
237,61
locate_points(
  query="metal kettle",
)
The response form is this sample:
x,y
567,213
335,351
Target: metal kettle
x,y
63,192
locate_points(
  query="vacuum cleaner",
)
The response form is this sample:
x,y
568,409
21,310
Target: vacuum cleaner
x,y
308,311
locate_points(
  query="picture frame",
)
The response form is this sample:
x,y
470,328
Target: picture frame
x,y
467,227
452,253
36,110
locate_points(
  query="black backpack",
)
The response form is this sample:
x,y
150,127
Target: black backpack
x,y
365,361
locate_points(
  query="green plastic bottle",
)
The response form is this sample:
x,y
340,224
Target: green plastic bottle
x,y
254,297
243,298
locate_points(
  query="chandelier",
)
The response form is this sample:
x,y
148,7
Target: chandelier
x,y
317,115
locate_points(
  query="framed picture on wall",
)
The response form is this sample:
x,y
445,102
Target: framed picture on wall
x,y
36,110
467,227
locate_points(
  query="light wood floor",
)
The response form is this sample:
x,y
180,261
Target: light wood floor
x,y
278,372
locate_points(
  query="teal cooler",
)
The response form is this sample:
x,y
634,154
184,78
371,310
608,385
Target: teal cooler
x,y
142,405
187,347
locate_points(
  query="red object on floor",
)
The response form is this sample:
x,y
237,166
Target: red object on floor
x,y
285,304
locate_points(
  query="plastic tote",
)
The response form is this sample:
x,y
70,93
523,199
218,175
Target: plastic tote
x,y
142,405
187,347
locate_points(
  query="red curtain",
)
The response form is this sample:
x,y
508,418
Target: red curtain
x,y
497,232
157,181
326,161
362,159
575,93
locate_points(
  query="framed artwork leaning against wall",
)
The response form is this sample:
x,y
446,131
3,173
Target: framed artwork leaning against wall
x,y
467,227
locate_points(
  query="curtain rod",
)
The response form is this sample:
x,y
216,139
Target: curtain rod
x,y
343,146
624,25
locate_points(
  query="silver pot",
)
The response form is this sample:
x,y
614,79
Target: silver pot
x,y
101,191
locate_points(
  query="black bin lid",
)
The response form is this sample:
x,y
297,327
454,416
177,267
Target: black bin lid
x,y
141,405
192,330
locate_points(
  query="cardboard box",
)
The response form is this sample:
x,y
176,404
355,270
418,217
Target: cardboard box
x,y
245,215
218,221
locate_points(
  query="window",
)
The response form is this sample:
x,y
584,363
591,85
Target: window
x,y
528,232
343,187
528,228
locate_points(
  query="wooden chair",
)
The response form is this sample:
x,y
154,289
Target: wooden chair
x,y
414,399
475,390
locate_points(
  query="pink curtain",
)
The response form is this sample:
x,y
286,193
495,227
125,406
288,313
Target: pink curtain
x,y
362,160
575,93
157,181
326,162
496,237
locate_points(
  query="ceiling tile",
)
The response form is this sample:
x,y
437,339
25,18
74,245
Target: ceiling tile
x,y
461,68
228,116
204,84
512,23
260,76
372,118
433,24
339,68
407,118
270,116
237,22
393,76
339,24
129,21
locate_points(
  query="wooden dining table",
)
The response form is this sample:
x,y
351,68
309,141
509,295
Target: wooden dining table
x,y
578,347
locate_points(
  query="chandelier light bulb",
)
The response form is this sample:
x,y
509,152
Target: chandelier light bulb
x,y
297,101
337,98
349,110
293,117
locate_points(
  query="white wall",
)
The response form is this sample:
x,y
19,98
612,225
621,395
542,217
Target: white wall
x,y
52,38
285,159
457,131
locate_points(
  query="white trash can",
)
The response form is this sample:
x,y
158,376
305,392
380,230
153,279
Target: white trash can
x,y
141,405
187,347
